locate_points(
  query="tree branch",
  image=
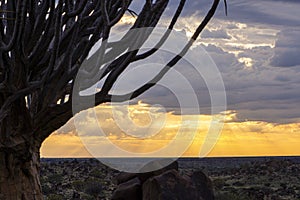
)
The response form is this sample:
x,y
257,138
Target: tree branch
x,y
160,75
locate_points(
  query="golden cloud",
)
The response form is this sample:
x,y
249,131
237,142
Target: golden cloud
x,y
141,128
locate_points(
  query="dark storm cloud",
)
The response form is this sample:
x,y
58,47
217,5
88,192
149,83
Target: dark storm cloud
x,y
261,91
215,34
275,12
287,48
255,11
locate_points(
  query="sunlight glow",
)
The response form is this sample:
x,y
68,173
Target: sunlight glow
x,y
238,138
248,62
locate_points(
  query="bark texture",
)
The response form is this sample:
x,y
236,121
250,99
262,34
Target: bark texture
x,y
19,156
19,178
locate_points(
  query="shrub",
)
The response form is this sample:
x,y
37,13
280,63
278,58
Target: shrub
x,y
219,183
78,185
93,188
55,197
96,173
47,190
231,196
55,178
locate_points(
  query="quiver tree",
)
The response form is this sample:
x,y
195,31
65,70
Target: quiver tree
x,y
42,45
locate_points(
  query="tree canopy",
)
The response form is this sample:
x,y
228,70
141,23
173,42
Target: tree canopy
x,y
44,43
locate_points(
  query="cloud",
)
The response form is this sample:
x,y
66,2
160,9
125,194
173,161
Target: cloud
x,y
223,60
287,49
254,88
245,46
237,138
267,12
260,92
222,34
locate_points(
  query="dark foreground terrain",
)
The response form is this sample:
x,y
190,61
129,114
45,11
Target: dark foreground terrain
x,y
233,178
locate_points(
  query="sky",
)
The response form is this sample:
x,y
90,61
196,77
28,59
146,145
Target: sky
x,y
256,50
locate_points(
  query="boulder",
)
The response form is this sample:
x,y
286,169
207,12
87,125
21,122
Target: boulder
x,y
170,186
130,190
163,184
155,164
203,184
124,176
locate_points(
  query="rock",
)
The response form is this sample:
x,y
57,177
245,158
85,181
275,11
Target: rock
x,y
160,165
203,184
124,176
163,184
155,164
130,190
170,186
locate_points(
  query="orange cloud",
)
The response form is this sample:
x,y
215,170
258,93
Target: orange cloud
x,y
63,146
143,129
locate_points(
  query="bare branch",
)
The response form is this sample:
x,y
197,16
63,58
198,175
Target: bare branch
x,y
165,36
160,75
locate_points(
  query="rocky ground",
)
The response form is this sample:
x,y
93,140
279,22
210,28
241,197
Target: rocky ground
x,y
232,179
253,179
74,178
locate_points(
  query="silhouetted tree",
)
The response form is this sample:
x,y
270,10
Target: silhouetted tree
x,y
42,45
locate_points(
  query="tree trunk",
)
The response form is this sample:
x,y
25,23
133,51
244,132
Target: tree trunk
x,y
19,156
19,177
